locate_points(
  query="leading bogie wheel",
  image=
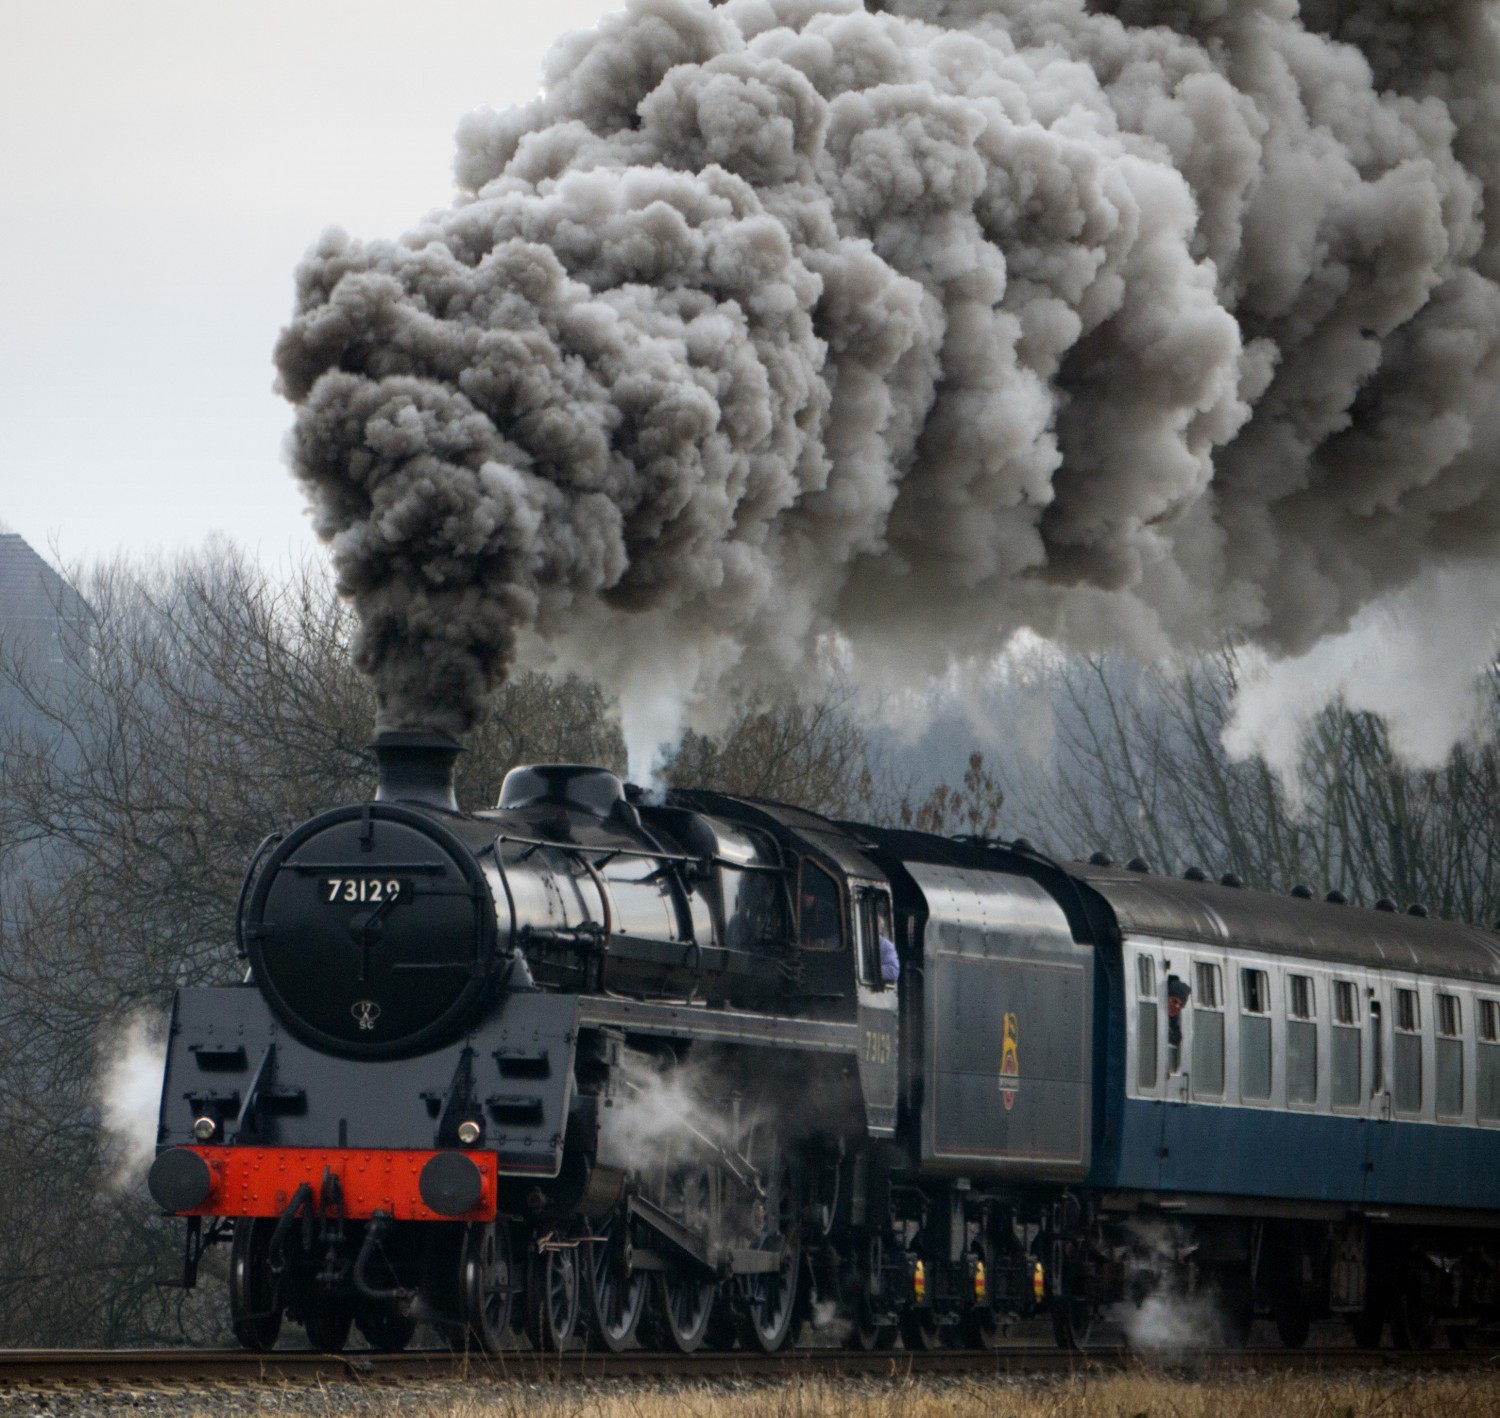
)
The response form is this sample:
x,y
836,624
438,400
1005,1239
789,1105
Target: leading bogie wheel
x,y
327,1323
486,1285
386,1327
254,1305
553,1297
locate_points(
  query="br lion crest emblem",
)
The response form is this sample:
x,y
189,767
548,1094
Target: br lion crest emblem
x,y
1010,1063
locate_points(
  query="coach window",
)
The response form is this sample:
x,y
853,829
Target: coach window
x,y
1255,1035
1406,1053
1145,1022
1301,1040
1489,1061
822,918
1345,1060
1450,1056
1208,1031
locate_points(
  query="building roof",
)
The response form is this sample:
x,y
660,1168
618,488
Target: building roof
x,y
33,597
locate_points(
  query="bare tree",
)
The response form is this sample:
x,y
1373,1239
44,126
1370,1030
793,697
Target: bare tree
x,y
197,708
971,809
1139,768
811,752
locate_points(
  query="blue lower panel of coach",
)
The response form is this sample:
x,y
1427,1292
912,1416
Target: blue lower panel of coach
x,y
1189,1147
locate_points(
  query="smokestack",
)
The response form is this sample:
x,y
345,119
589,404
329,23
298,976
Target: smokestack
x,y
416,767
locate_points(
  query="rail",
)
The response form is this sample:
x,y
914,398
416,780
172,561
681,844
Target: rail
x,y
166,1366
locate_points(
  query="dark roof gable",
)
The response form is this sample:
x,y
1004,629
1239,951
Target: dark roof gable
x,y
32,595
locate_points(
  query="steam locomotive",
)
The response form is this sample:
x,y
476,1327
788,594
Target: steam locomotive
x,y
615,1072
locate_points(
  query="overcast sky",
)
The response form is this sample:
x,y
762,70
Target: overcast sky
x,y
166,163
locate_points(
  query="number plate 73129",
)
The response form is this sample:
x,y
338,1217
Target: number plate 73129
x,y
373,890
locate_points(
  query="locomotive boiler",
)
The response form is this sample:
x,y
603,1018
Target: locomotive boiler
x,y
603,1070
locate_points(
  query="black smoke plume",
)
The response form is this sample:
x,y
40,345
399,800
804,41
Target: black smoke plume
x,y
1136,322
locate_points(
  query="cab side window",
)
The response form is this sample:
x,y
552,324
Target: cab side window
x,y
820,917
879,964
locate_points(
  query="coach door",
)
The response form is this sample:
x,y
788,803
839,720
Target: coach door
x,y
1151,1079
1199,1134
1399,1087
1182,1152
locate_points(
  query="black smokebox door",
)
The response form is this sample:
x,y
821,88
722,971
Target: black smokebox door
x,y
368,945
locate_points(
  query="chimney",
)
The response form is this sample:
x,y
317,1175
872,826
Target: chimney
x,y
416,766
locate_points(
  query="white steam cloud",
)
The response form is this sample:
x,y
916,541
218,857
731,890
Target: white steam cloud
x,y
1445,622
131,1059
1172,1323
664,1113
1130,322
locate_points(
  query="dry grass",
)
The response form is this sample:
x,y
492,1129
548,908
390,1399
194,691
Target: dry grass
x,y
1133,1395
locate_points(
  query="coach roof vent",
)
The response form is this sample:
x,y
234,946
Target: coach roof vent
x,y
594,790
416,766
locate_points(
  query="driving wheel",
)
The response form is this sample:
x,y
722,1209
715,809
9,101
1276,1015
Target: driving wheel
x,y
553,1298
616,1295
683,1300
771,1297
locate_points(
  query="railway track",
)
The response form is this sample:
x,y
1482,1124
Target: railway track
x,y
165,1366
